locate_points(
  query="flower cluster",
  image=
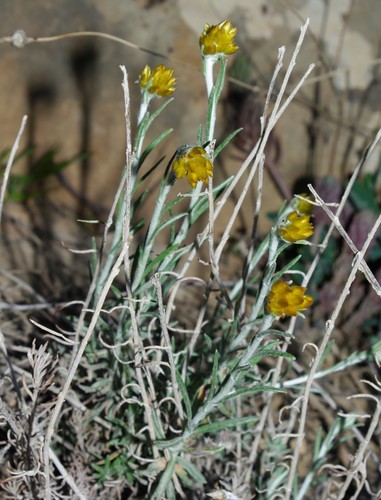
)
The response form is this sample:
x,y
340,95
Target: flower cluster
x,y
158,81
218,39
193,162
296,228
287,300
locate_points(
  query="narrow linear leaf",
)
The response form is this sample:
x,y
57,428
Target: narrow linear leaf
x,y
167,222
153,144
156,113
138,226
253,390
165,480
286,268
157,426
277,333
199,135
282,247
223,424
140,199
214,375
158,259
272,353
147,174
170,205
170,492
317,444
191,470
187,481
175,257
226,141
202,203
185,395
163,444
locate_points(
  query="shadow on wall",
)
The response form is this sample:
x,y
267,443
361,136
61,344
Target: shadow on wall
x,y
44,173
83,63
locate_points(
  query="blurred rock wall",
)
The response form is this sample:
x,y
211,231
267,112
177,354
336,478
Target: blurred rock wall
x,y
71,89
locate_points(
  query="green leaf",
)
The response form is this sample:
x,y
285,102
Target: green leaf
x,y
158,259
157,426
176,256
270,352
167,222
286,268
156,113
363,194
153,145
140,199
218,86
185,395
208,341
170,493
163,444
253,390
168,207
224,424
148,173
282,247
199,136
214,375
138,226
202,203
226,141
21,187
273,331
165,480
317,444
191,470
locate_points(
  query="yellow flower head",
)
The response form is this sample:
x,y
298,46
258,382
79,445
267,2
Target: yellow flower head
x,y
218,39
287,300
303,207
195,163
157,81
296,228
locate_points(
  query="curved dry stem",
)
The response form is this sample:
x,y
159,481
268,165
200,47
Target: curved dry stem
x,y
9,164
94,319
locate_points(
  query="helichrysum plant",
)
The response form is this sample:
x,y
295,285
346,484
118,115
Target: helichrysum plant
x,y
177,399
148,335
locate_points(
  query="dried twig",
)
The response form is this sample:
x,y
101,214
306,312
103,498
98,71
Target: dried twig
x,y
92,325
10,163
